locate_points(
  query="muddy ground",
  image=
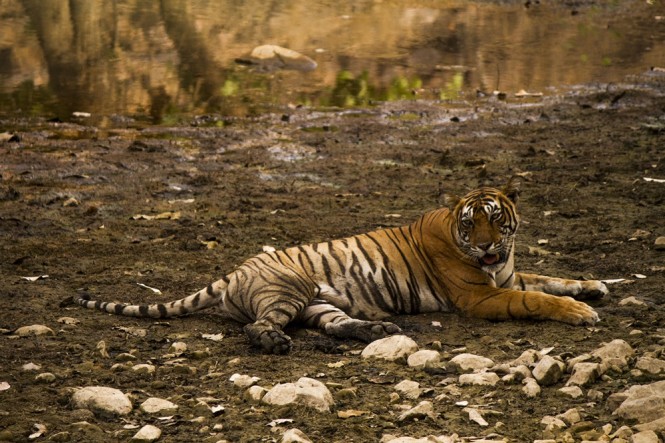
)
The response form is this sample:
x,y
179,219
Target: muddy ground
x,y
73,201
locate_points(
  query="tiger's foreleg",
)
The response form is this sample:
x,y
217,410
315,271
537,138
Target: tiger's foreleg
x,y
505,304
335,322
578,289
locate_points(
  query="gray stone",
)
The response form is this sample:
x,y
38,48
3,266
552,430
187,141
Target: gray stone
x,y
571,391
409,389
657,425
614,355
548,371
528,358
651,365
482,379
424,359
645,437
471,362
394,348
33,331
155,405
306,392
102,400
531,388
644,403
147,433
584,374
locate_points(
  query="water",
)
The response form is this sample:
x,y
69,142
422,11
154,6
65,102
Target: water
x,y
161,60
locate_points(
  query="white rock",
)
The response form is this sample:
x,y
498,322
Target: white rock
x,y
31,367
33,330
632,300
255,393
570,364
475,416
584,374
102,400
306,392
155,405
644,403
471,362
409,389
614,355
645,437
394,348
657,425
295,435
421,410
243,381
571,391
552,424
144,369
528,358
424,359
178,348
482,379
548,371
531,388
571,416
147,433
651,365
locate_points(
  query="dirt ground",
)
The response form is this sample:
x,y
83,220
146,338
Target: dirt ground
x,y
78,203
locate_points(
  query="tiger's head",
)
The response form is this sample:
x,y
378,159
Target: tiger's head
x,y
484,224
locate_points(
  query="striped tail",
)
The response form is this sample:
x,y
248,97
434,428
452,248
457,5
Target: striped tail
x,y
205,298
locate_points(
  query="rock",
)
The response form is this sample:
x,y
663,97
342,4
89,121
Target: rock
x,y
306,392
482,378
33,331
594,395
394,348
570,364
657,425
571,391
548,371
147,433
178,348
659,244
645,437
471,362
295,435
155,405
531,388
571,416
145,369
422,410
644,403
243,381
528,358
255,393
553,424
614,355
424,359
31,367
45,377
272,57
475,416
651,365
631,301
102,400
584,374
409,389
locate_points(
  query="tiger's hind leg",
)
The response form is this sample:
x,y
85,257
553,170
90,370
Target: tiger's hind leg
x,y
335,322
578,289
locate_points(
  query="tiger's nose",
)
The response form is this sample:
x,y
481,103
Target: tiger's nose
x,y
484,246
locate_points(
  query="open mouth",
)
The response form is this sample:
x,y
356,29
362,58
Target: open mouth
x,y
490,259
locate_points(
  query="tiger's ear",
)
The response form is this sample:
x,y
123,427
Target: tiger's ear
x,y
451,201
512,189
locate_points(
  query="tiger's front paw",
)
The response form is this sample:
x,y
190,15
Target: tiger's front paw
x,y
577,313
592,290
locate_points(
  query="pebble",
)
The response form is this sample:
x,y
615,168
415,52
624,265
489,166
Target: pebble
x,y
531,388
571,391
614,355
178,348
482,379
394,348
306,392
631,301
424,359
33,331
243,381
645,437
295,435
571,416
102,400
147,433
145,369
472,362
409,389
31,367
155,405
584,374
255,393
548,371
45,377
527,358
651,365
659,244
424,409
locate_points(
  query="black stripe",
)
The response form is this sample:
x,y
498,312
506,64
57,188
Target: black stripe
x,y
363,251
143,310
162,310
210,291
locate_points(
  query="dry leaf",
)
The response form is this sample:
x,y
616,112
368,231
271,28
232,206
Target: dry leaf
x,y
155,290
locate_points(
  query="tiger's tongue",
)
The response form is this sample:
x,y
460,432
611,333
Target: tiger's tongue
x,y
490,259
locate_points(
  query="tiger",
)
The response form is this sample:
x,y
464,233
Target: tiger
x,y
457,258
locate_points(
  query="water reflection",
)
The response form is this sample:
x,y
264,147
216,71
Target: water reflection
x,y
164,59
